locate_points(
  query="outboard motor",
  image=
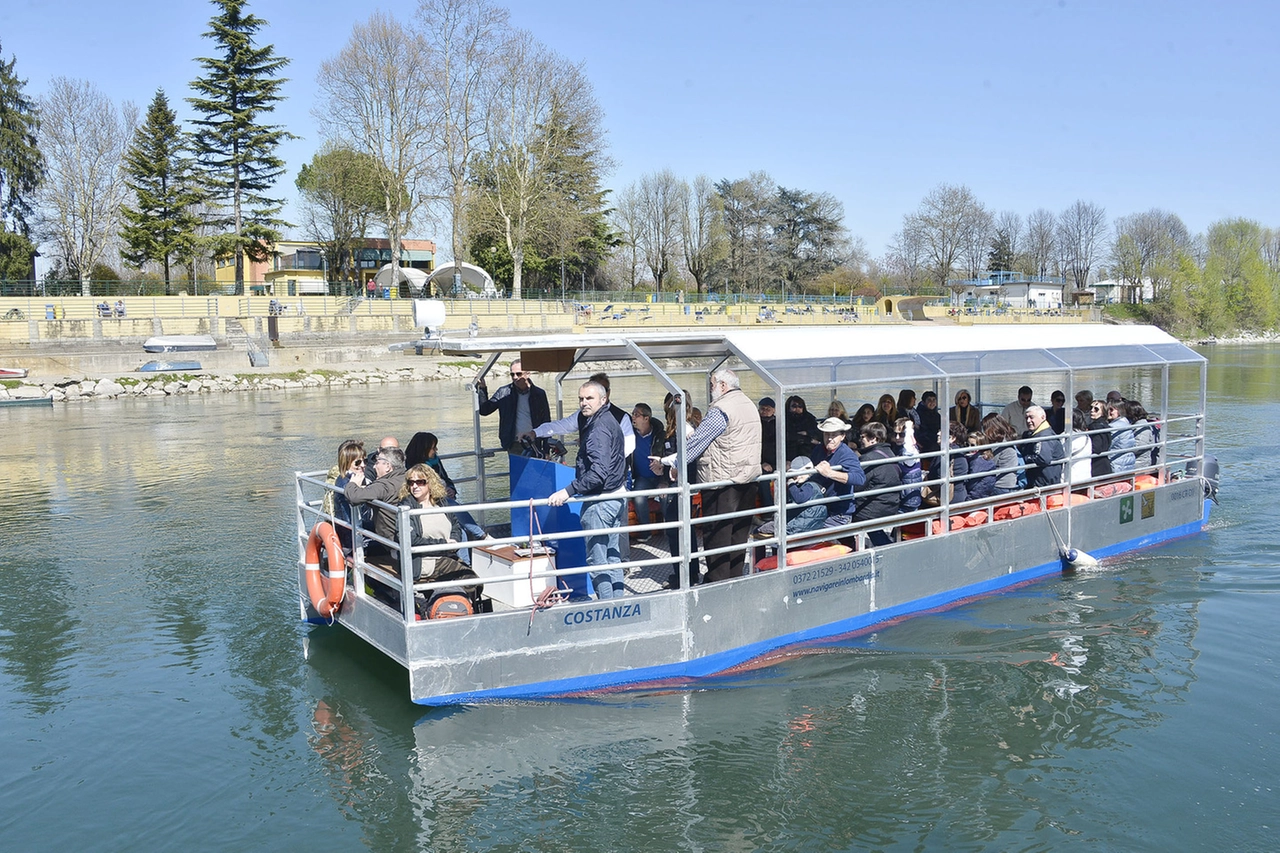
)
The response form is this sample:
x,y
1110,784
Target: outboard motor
x,y
1212,475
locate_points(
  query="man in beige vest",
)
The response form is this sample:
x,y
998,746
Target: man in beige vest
x,y
726,446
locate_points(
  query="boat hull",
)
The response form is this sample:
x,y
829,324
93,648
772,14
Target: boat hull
x,y
673,638
180,343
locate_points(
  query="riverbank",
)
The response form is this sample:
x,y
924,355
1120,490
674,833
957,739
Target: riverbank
x,y
393,369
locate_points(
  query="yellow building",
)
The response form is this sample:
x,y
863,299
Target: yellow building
x,y
299,268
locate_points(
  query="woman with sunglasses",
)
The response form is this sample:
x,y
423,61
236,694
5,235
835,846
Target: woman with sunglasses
x,y
423,488
1099,438
350,461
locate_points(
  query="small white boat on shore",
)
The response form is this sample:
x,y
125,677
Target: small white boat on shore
x,y
524,644
180,343
13,373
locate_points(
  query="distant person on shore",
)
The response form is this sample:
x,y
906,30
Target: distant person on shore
x,y
120,308
521,406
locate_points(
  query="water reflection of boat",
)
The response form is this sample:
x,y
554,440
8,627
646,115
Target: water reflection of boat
x,y
937,557
169,366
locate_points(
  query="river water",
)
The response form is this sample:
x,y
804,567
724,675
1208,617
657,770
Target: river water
x,y
157,691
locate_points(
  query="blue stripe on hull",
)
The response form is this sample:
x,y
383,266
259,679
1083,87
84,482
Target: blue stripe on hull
x,y
678,674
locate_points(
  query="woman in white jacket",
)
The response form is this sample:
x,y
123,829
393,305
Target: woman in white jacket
x,y
1081,449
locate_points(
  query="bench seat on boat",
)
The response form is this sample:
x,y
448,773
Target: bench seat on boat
x,y
800,556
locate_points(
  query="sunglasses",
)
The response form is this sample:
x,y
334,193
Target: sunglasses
x,y
359,463
515,375
416,482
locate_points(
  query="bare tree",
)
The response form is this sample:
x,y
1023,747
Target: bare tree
x,y
660,206
977,241
945,223
1041,244
544,124
626,218
375,100
905,259
1145,247
702,229
1081,229
462,40
84,139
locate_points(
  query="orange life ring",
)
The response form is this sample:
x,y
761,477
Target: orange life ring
x,y
326,590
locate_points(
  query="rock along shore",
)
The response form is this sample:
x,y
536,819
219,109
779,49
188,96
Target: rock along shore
x,y
71,389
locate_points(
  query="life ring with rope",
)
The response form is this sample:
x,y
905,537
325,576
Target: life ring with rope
x,y
326,589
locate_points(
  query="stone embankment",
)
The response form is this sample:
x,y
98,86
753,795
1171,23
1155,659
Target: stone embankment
x,y
71,389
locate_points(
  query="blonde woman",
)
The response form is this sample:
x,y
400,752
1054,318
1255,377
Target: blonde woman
x,y
423,488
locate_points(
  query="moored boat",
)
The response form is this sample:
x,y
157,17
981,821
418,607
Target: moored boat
x,y
13,373
527,644
180,343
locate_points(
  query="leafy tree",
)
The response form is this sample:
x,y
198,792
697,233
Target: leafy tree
x,y
748,222
235,151
1236,267
21,162
21,171
16,253
809,237
340,191
162,224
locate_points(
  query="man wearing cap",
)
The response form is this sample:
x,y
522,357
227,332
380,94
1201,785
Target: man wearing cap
x,y
839,471
726,446
802,489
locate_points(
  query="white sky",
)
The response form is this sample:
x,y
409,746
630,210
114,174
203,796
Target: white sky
x,y
1129,104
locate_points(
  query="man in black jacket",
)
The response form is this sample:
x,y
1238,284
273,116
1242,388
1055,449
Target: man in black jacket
x,y
879,462
521,406
1044,454
601,470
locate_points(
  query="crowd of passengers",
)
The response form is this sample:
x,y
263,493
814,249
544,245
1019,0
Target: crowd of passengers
x,y
885,460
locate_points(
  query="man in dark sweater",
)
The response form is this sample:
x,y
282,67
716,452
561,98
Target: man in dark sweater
x,y
880,467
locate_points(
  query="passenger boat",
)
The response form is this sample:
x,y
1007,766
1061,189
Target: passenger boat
x,y
526,644
180,343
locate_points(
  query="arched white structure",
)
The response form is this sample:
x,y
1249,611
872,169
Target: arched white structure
x,y
473,277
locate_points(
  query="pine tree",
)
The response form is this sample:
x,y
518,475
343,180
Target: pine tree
x,y
162,225
235,153
21,171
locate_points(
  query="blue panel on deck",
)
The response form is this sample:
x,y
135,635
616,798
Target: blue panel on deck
x,y
537,479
